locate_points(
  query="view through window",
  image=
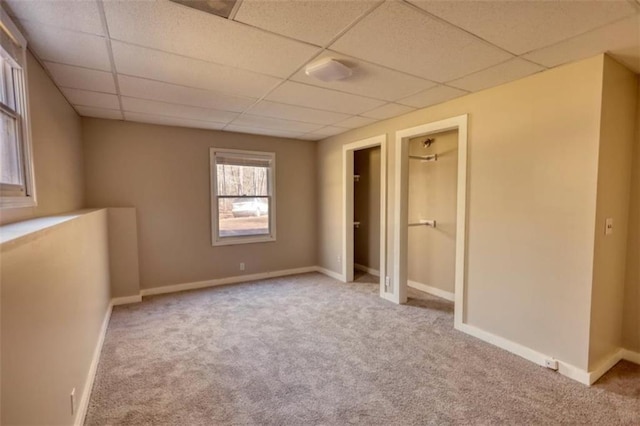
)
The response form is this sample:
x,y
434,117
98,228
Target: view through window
x,y
243,191
17,188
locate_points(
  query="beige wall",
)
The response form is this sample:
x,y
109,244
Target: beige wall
x,y
164,173
433,195
631,327
533,155
617,134
54,297
123,252
57,150
366,207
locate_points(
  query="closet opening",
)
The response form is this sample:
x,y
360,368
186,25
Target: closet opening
x,y
364,219
366,211
431,239
430,196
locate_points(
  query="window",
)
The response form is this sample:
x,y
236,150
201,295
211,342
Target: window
x,y
16,168
242,202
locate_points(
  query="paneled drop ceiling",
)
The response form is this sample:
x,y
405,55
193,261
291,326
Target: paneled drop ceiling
x,y
166,63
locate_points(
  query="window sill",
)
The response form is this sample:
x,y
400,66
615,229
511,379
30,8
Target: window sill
x,y
229,241
17,202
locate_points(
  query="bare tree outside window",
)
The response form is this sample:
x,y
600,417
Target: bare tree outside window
x,y
243,195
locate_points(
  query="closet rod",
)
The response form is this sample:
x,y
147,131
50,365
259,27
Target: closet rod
x,y
424,222
431,157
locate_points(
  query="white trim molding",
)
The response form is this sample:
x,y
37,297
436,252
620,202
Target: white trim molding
x,y
223,281
447,295
347,203
330,273
527,353
631,356
125,300
399,284
363,268
83,404
605,366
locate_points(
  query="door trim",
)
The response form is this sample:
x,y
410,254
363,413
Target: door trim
x,y
347,199
399,283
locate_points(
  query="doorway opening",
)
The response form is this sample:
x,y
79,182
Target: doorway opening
x,y
431,253
420,144
364,220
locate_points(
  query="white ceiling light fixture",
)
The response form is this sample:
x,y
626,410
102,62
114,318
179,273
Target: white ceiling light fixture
x,y
328,69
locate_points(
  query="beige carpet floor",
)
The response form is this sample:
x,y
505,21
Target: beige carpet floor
x,y
308,350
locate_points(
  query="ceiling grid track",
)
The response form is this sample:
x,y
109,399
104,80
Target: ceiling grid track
x,y
180,68
105,28
323,48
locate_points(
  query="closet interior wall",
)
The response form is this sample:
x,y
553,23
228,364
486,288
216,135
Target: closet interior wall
x,y
432,196
366,209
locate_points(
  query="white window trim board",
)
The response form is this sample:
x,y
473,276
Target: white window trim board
x,y
213,192
30,199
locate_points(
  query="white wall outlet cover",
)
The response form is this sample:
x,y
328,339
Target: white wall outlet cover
x,y
608,226
551,364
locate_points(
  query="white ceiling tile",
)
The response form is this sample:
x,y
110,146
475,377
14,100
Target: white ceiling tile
x,y
82,16
620,39
292,112
316,22
81,78
368,79
388,111
111,114
398,36
522,26
315,97
505,72
68,47
177,111
171,121
260,131
91,99
186,31
355,121
310,137
255,121
328,131
155,65
165,92
432,96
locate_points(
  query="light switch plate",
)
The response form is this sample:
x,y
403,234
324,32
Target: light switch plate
x,y
608,226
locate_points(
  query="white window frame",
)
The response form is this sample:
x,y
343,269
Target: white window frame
x,y
28,197
216,240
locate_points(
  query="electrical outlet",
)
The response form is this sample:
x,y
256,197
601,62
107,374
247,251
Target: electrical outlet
x,y
242,266
72,397
551,364
339,259
387,283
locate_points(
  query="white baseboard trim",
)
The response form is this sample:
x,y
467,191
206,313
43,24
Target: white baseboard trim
x,y
366,269
527,353
83,403
605,366
125,300
330,273
432,290
223,281
631,356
